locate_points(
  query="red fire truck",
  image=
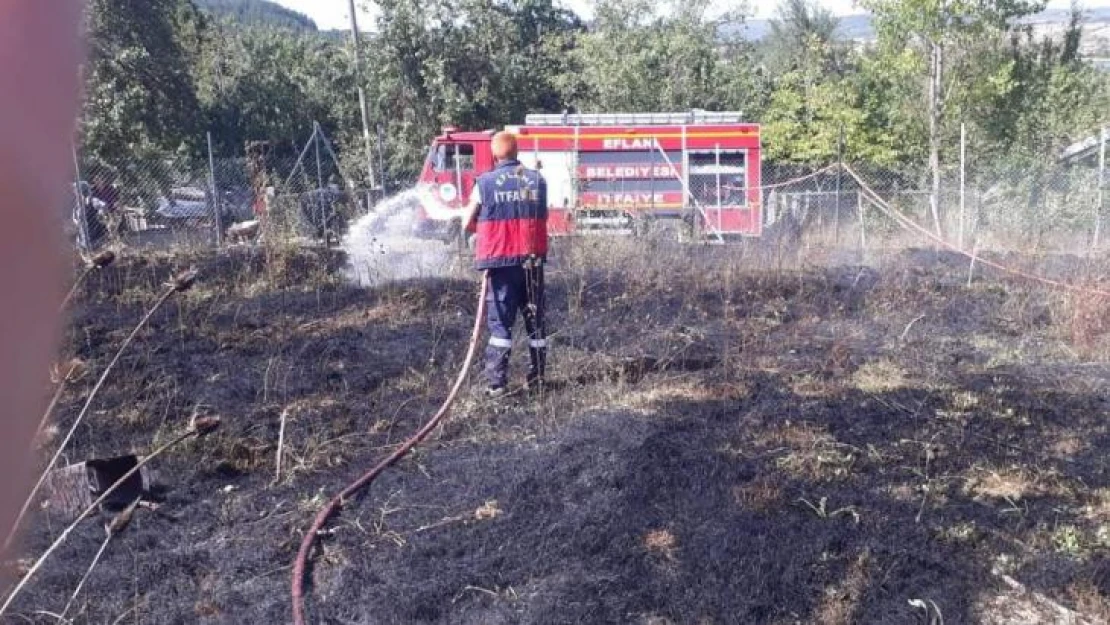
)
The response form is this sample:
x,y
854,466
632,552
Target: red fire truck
x,y
612,172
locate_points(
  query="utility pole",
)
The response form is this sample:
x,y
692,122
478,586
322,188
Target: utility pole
x,y
963,183
839,176
381,157
216,217
936,87
935,110
1101,182
362,105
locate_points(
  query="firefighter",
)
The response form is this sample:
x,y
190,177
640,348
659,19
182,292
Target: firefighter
x,y
508,213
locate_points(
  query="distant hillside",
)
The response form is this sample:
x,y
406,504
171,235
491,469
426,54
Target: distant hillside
x,y
1061,16
258,13
852,27
1050,23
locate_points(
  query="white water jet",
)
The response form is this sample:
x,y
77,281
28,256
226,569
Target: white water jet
x,y
381,246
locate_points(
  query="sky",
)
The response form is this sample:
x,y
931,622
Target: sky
x,y
333,14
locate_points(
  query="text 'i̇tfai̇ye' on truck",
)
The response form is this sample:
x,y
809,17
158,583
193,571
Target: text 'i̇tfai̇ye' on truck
x,y
612,173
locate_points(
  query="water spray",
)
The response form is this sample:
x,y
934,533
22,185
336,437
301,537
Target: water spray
x,y
382,245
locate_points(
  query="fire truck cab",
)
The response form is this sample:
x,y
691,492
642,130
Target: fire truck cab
x,y
611,173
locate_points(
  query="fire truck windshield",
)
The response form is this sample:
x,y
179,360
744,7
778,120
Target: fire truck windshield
x,y
449,156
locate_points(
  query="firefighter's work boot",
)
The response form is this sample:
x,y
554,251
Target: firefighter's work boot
x,y
497,363
537,350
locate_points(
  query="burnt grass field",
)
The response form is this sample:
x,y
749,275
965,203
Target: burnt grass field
x,y
726,440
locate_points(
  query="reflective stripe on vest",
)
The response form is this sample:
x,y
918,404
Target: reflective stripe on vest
x,y
512,224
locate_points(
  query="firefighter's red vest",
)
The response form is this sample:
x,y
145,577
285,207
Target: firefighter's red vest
x,y
512,223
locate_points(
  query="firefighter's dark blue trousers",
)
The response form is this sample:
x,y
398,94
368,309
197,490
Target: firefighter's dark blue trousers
x,y
513,290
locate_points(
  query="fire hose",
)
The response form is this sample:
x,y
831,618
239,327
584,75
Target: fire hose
x,y
333,506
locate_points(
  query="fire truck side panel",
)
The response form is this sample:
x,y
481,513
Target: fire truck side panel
x,y
641,171
557,168
610,176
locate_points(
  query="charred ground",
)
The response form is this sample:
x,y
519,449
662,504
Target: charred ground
x,y
722,444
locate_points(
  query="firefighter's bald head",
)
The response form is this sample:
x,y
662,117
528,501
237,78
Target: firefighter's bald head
x,y
504,146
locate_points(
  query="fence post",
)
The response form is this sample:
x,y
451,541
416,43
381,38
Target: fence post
x,y
319,182
839,174
84,243
363,107
1101,174
217,218
861,209
381,162
963,182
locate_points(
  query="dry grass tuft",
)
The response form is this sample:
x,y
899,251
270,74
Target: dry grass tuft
x,y
1012,484
70,371
680,389
879,376
1067,445
966,532
811,386
903,492
761,494
1090,601
808,452
1098,506
1089,322
840,603
662,542
795,435
964,401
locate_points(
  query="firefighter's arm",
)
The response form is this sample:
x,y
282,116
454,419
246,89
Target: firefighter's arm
x,y
470,213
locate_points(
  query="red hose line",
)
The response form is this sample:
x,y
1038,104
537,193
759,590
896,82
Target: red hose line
x,y
888,210
333,506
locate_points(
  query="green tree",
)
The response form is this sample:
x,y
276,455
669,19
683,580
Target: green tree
x,y
271,84
803,35
140,97
640,56
936,32
812,106
804,120
1040,97
473,64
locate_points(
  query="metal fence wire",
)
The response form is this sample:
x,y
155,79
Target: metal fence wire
x,y
143,201
302,195
206,201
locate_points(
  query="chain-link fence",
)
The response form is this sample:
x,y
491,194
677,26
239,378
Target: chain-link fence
x,y
304,197
208,201
143,201
1052,206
